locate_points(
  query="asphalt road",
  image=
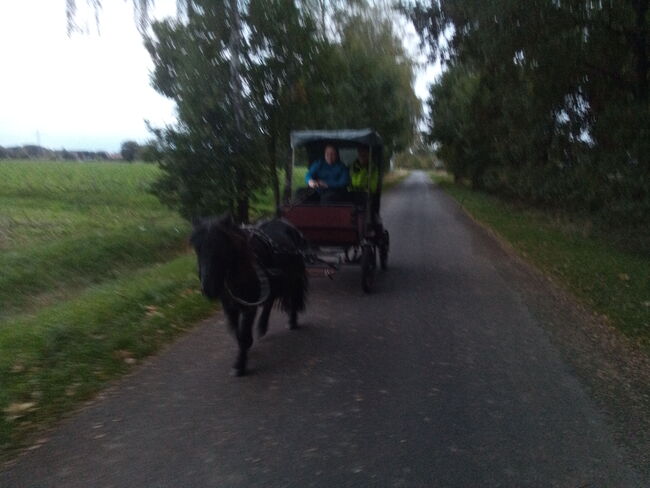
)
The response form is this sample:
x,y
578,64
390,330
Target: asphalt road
x,y
440,378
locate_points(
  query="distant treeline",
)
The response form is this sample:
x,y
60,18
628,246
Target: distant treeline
x,y
39,152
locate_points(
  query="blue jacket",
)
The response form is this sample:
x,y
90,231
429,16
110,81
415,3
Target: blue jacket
x,y
335,175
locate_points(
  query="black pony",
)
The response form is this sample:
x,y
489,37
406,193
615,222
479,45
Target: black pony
x,y
247,267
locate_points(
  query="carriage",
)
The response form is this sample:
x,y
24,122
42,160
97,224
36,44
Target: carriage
x,y
346,229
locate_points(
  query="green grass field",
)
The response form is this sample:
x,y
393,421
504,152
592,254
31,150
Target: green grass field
x,y
609,280
65,226
95,275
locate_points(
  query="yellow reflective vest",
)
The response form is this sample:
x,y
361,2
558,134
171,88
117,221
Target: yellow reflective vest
x,y
359,177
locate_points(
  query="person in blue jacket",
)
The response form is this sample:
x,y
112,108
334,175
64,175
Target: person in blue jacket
x,y
329,172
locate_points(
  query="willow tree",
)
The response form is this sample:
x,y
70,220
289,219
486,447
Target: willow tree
x,y
210,156
283,52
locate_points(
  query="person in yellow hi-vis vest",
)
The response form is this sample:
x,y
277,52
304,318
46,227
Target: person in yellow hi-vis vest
x,y
359,175
359,172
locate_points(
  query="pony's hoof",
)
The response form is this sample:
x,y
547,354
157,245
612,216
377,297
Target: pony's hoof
x,y
293,326
237,372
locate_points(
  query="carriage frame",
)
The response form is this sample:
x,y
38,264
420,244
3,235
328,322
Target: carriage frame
x,y
351,231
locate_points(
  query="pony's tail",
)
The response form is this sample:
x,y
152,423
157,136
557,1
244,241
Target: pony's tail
x,y
294,296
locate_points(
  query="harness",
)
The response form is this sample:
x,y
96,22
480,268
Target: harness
x,y
263,274
265,289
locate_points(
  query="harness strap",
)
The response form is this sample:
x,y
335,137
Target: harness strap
x,y
265,289
255,232
263,274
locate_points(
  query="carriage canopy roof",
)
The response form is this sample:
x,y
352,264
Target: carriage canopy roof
x,y
342,137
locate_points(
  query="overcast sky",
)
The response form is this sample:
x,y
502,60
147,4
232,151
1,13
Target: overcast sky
x,y
88,91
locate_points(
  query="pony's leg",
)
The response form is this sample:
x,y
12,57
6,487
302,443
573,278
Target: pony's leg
x,y
263,321
297,288
245,339
293,319
232,314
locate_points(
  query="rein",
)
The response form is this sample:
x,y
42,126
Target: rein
x,y
261,273
298,201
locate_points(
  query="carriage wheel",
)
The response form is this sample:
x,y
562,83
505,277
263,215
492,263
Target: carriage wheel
x,y
383,251
368,265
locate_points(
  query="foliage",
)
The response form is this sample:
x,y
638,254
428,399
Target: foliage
x,y
282,56
291,74
420,155
42,153
147,153
210,157
418,161
545,101
375,84
244,74
129,150
365,79
140,9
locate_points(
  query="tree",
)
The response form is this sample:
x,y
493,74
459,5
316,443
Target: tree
x,y
377,87
244,74
552,98
283,54
147,153
129,150
210,157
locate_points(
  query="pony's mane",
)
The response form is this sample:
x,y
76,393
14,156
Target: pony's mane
x,y
226,226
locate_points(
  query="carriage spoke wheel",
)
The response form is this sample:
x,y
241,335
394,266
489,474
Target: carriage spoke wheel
x,y
368,265
383,251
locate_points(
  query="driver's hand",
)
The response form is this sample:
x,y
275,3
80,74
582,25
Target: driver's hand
x,y
312,184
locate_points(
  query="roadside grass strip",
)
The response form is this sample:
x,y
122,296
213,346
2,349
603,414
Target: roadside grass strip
x,y
393,178
65,353
73,262
612,282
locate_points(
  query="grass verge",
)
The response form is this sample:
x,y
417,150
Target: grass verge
x,y
64,354
74,262
394,178
609,280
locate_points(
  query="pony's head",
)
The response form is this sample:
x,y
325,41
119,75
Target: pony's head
x,y
217,244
